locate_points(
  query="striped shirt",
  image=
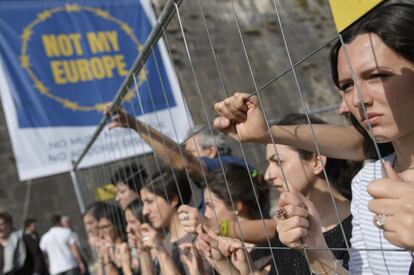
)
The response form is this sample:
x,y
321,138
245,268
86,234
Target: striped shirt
x,y
366,236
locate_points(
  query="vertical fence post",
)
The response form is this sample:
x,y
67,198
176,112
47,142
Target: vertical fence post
x,y
77,188
27,200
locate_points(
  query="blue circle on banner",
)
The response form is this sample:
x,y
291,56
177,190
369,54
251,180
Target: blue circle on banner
x,y
79,65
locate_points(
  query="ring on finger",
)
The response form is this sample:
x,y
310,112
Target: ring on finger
x,y
379,220
185,217
281,214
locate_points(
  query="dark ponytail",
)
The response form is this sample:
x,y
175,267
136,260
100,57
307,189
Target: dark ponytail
x,y
240,186
136,209
169,184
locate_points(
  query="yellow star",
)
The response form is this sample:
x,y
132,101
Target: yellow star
x,y
26,34
25,62
44,15
100,107
143,75
102,13
72,8
126,28
129,95
42,88
70,105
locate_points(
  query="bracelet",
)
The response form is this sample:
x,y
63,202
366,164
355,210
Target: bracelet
x,y
224,229
338,263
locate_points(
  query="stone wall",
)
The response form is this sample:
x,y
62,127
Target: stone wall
x,y
307,25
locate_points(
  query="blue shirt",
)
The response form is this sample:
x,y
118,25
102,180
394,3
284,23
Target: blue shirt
x,y
214,163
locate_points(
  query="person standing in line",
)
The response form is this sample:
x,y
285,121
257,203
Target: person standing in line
x,y
35,260
60,246
30,228
12,249
128,180
66,222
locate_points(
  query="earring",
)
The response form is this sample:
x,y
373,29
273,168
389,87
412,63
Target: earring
x,y
236,213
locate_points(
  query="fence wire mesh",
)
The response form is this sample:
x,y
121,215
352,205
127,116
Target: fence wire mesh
x,y
294,78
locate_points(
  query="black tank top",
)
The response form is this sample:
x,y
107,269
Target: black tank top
x,y
290,261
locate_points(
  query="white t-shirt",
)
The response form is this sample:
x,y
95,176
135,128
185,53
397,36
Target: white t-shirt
x,y
366,236
56,243
76,238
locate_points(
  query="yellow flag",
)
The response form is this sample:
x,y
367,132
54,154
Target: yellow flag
x,y
346,12
105,192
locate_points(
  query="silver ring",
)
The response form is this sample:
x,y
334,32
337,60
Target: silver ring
x,y
185,217
379,220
